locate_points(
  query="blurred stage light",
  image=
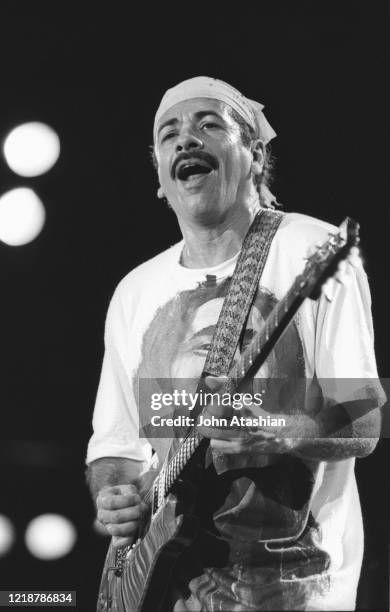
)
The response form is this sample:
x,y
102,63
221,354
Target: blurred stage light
x,y
7,535
31,149
50,536
22,216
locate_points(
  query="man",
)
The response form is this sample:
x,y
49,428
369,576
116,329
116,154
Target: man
x,y
212,157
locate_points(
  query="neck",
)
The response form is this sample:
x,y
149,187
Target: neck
x,y
207,246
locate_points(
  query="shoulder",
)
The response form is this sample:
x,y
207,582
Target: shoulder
x,y
138,282
299,226
148,272
298,234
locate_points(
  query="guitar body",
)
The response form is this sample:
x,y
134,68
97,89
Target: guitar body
x,y
147,568
137,579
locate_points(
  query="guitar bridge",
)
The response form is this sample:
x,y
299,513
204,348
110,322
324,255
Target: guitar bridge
x,y
117,569
120,556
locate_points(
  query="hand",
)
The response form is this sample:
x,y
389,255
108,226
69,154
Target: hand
x,y
345,267
343,273
120,509
237,440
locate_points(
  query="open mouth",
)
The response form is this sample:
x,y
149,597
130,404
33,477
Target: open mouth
x,y
187,170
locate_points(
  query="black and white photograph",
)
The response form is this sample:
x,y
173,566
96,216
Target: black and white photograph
x,y
195,376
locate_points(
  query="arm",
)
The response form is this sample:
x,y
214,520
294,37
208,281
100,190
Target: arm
x,y
340,432
344,355
111,471
111,474
113,484
336,432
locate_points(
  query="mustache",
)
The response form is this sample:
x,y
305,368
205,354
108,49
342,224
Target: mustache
x,y
199,155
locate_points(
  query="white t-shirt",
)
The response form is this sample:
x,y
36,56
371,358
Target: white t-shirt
x,y
159,324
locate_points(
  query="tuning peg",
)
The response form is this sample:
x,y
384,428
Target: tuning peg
x,y
343,228
354,258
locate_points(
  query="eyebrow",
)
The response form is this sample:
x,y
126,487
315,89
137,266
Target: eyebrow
x,y
204,330
201,332
199,115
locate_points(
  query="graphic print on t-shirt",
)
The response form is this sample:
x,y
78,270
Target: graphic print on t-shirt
x,y
260,504
176,342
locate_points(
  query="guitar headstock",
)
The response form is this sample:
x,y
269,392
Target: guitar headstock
x,y
323,264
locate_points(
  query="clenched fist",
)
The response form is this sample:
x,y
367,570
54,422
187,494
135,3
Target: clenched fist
x,y
119,509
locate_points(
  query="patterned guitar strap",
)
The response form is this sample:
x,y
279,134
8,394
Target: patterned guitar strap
x,y
238,301
242,291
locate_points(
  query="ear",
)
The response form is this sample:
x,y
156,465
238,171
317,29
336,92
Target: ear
x,y
160,193
257,149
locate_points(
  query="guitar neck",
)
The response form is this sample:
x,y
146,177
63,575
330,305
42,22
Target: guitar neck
x,y
319,267
263,342
250,361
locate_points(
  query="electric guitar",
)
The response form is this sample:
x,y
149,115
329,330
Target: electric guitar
x,y
135,578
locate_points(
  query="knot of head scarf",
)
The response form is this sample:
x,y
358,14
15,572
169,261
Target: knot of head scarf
x,y
206,87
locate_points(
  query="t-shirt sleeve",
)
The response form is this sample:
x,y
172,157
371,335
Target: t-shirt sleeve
x,y
344,345
115,417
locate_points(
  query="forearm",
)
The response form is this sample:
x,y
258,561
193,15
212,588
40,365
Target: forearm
x,y
111,471
338,432
333,433
333,449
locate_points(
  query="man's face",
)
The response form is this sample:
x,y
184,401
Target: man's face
x,y
203,166
191,355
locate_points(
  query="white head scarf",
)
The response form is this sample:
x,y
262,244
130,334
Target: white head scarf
x,y
207,87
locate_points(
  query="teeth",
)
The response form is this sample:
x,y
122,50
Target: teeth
x,y
184,171
192,165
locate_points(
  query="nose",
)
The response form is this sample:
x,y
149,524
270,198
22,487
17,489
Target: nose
x,y
188,142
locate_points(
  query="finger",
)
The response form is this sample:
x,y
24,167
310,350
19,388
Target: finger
x,y
311,250
218,433
120,516
218,411
328,289
354,258
120,489
124,530
261,435
119,542
235,447
116,502
341,272
232,447
100,527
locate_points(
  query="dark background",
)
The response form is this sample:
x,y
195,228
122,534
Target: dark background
x,y
96,75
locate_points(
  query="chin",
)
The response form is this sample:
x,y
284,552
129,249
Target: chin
x,y
203,208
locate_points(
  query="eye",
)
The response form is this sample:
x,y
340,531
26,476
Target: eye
x,y
209,125
201,349
167,136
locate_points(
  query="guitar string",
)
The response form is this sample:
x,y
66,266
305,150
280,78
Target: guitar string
x,y
294,290
236,374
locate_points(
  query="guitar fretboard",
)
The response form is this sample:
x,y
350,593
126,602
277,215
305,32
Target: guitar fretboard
x,y
319,267
252,358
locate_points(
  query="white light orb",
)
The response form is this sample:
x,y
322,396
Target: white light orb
x,y
50,536
22,216
31,149
7,535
